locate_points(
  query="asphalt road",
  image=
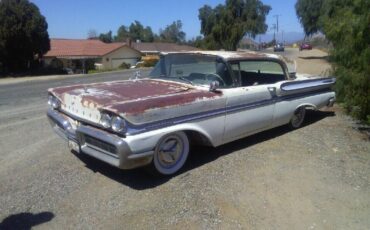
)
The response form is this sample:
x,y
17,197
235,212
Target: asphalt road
x,y
23,106
314,177
26,141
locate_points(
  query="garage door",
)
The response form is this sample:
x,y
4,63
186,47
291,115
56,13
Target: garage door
x,y
116,62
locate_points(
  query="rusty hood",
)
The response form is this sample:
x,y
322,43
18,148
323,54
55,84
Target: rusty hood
x,y
138,101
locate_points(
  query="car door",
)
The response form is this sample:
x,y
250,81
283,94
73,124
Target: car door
x,y
250,107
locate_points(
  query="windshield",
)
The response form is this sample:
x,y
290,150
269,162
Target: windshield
x,y
193,69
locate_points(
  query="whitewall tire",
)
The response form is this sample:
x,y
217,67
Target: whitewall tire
x,y
171,153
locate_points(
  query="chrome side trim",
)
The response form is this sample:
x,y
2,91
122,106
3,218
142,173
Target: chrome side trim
x,y
309,84
293,88
137,129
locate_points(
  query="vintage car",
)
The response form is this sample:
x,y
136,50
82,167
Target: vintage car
x,y
202,97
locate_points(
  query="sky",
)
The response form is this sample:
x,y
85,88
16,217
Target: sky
x,y
74,18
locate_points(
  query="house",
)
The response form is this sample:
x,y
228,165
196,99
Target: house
x,y
78,54
154,48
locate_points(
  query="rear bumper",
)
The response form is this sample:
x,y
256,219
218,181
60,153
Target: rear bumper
x,y
98,143
331,102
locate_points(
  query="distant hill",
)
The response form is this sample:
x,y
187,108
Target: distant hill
x,y
289,37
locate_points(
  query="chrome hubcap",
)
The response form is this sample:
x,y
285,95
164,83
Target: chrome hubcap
x,y
170,151
298,117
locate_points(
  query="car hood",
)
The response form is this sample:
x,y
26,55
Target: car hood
x,y
138,101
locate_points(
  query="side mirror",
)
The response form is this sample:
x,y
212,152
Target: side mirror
x,y
213,86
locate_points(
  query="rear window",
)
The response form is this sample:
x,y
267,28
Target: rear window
x,y
261,67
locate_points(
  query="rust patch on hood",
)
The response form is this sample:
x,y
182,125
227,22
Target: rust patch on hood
x,y
140,106
108,93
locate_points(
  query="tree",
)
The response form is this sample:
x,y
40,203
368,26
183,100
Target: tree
x,y
173,33
148,35
106,38
345,24
196,42
136,30
122,34
309,13
92,34
23,34
225,25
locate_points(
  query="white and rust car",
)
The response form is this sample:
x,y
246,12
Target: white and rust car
x,y
207,97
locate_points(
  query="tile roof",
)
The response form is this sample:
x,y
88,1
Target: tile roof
x,y
157,47
80,47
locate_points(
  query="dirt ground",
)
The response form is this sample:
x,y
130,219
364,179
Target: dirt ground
x,y
312,62
316,177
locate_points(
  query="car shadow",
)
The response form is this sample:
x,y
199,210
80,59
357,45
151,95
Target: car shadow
x,y
202,155
25,220
140,179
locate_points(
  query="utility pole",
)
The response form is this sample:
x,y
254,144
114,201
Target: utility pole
x,y
274,28
277,22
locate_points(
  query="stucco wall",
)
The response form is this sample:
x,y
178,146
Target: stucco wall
x,y
116,58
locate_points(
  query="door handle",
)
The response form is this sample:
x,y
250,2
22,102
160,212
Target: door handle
x,y
272,91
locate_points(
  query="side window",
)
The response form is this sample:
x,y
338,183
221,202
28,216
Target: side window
x,y
223,72
260,72
235,67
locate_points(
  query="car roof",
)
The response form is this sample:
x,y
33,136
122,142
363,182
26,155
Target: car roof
x,y
231,55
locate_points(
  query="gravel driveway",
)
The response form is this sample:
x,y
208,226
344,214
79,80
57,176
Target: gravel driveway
x,y
316,177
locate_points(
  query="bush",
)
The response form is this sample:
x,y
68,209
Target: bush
x,y
354,92
150,62
124,65
345,24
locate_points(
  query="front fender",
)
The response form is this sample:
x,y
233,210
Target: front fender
x,y
211,129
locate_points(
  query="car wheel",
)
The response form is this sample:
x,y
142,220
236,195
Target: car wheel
x,y
171,153
298,118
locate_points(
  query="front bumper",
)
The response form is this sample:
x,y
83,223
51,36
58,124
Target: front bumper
x,y
98,143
